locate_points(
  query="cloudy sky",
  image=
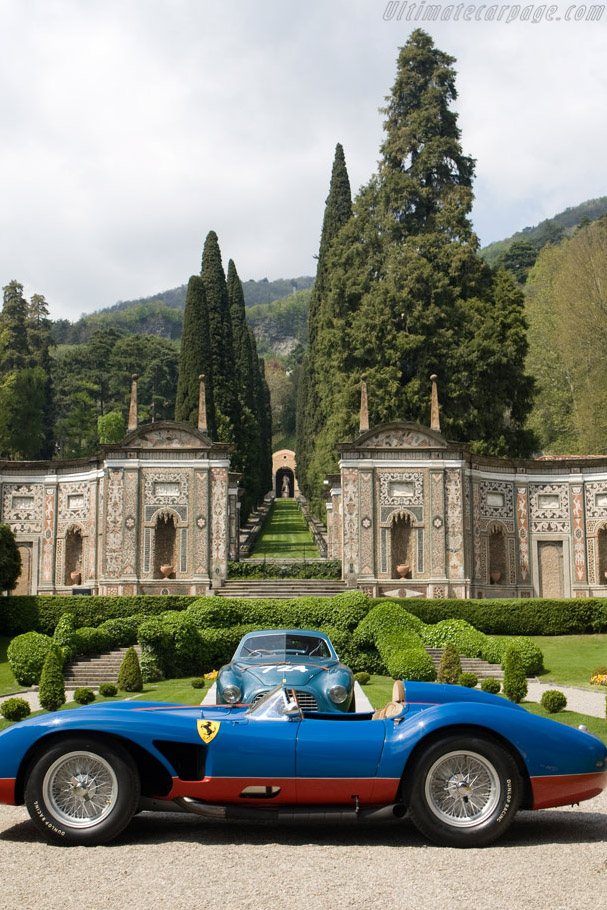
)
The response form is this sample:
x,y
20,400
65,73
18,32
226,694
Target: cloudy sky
x,y
130,128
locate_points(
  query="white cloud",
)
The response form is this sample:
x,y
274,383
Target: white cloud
x,y
129,129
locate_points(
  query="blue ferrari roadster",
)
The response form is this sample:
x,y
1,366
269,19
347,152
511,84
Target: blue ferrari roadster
x,y
458,761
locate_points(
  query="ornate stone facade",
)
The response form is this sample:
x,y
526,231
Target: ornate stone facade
x,y
103,525
475,526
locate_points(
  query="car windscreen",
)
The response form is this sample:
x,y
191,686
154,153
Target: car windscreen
x,y
284,645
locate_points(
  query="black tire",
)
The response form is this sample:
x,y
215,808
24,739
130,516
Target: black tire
x,y
465,791
82,791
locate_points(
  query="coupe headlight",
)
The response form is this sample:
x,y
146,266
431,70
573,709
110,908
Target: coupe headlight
x,y
232,694
338,694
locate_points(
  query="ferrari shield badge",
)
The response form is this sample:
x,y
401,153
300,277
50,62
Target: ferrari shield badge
x,y
207,729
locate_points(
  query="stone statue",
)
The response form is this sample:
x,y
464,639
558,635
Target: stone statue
x,y
286,490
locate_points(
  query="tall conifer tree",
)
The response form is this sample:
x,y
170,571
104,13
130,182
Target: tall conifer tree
x,y
408,295
338,210
222,347
195,358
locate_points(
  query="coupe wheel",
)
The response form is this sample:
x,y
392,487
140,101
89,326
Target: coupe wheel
x,y
82,791
466,791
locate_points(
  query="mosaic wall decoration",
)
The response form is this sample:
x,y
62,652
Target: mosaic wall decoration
x,y
496,499
22,507
511,561
129,540
549,508
400,439
219,502
114,523
48,542
365,480
167,439
454,517
596,500
480,564
401,488
166,488
579,543
523,533
73,506
350,520
437,530
201,534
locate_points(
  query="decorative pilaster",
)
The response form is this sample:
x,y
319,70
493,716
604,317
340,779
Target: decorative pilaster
x,y
579,542
522,521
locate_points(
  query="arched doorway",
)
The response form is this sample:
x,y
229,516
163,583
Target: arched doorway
x,y
285,483
497,556
402,545
601,545
165,546
73,557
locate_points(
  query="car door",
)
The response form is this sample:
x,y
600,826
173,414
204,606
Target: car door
x,y
336,761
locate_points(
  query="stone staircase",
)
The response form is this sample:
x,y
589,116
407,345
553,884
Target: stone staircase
x,y
281,588
481,668
95,669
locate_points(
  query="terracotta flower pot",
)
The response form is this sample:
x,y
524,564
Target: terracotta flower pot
x,y
76,577
167,570
495,577
404,570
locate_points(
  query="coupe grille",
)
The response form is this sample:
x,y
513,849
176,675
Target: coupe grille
x,y
306,700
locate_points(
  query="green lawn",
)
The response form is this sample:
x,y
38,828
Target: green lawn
x,y
285,534
570,659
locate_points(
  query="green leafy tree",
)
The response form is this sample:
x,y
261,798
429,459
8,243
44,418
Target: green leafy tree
x,y
52,685
10,559
15,355
111,428
195,358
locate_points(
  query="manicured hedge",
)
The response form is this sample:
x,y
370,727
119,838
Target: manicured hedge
x,y
328,569
42,613
520,616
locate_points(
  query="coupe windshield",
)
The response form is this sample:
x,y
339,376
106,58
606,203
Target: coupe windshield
x,y
283,645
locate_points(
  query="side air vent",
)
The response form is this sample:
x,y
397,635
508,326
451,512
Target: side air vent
x,y
186,758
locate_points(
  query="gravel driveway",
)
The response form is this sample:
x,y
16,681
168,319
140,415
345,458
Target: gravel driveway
x,y
550,860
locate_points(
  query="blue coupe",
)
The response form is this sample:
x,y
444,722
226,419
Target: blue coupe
x,y
459,762
299,659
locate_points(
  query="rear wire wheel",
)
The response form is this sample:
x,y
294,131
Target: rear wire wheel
x,y
465,792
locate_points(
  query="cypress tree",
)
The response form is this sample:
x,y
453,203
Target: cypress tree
x,y
195,358
407,294
247,457
221,347
338,209
52,685
39,341
15,355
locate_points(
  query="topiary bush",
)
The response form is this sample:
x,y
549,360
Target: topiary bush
x,y
515,682
108,690
26,655
52,686
450,667
553,701
362,678
469,680
63,635
326,569
198,683
129,675
405,657
531,655
15,709
83,695
491,685
122,632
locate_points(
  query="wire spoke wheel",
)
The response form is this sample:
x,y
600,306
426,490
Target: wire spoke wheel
x,y
80,789
462,788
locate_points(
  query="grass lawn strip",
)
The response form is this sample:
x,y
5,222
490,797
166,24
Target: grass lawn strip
x,y
570,659
285,534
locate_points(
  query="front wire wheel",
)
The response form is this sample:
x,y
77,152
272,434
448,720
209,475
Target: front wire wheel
x,y
466,791
82,791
